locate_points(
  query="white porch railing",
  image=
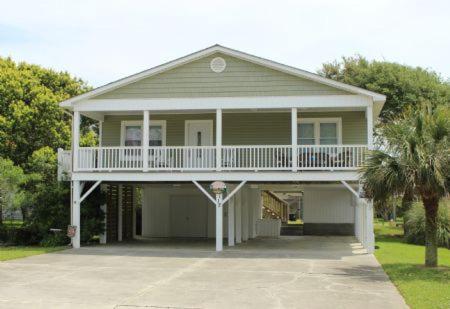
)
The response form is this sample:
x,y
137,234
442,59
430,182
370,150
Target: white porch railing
x,y
203,158
325,157
256,157
64,164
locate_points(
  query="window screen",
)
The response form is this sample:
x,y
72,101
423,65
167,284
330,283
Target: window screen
x,y
306,134
328,134
133,136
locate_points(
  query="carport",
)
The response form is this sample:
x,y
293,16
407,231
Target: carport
x,y
188,210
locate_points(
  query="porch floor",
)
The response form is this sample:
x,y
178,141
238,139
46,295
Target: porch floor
x,y
290,272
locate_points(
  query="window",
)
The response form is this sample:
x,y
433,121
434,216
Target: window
x,y
132,133
155,135
306,134
319,131
328,134
133,136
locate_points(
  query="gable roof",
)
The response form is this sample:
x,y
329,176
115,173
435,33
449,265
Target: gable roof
x,y
230,52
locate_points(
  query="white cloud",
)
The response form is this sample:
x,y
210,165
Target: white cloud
x,y
101,41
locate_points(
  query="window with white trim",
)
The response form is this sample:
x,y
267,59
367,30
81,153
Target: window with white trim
x,y
132,133
319,131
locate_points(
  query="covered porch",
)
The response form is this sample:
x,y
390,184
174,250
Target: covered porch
x,y
323,137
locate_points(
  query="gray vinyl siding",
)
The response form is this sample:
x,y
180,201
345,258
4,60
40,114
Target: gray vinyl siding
x,y
240,78
243,128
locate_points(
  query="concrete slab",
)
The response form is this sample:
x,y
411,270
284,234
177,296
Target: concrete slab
x,y
290,272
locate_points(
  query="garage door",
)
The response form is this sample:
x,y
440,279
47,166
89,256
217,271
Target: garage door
x,y
188,216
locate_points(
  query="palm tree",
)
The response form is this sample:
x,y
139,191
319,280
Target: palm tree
x,y
415,157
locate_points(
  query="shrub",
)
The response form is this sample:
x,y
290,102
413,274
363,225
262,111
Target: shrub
x,y
55,239
415,224
23,235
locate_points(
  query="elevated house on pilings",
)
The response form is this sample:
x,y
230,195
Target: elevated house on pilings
x,y
223,115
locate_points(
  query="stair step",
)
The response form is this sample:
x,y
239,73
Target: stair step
x,y
291,230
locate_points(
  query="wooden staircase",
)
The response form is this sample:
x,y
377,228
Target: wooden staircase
x,y
273,207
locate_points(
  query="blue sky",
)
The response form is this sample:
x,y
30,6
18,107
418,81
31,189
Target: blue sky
x,y
101,41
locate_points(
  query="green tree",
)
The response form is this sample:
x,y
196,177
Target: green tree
x,y
403,85
11,178
30,117
415,154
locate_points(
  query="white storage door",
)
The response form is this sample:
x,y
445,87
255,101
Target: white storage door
x,y
188,216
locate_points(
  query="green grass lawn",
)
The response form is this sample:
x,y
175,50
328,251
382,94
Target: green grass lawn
x,y
421,287
15,252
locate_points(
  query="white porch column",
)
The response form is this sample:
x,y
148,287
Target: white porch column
x,y
369,119
104,208
251,213
119,215
259,205
238,216
134,210
363,223
75,139
231,221
357,217
100,144
145,139
219,139
245,204
219,224
294,139
370,237
76,213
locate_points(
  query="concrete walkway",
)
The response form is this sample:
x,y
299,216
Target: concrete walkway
x,y
291,272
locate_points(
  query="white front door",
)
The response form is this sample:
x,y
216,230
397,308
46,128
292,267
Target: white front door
x,y
199,133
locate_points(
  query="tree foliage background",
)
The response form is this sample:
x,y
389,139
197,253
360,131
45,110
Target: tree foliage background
x,y
30,117
32,127
403,85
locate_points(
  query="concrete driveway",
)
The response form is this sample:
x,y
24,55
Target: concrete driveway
x,y
291,272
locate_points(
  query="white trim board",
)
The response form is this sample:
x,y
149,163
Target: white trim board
x,y
309,176
230,52
213,103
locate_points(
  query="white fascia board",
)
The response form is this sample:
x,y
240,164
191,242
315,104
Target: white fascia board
x,y
227,51
220,176
171,104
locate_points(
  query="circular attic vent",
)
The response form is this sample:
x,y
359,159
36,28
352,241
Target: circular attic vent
x,y
218,64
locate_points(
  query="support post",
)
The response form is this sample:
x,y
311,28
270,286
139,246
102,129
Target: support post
x,y
231,221
75,139
370,237
219,223
253,214
103,207
134,210
100,144
218,139
76,213
120,214
145,140
369,119
244,209
294,139
238,213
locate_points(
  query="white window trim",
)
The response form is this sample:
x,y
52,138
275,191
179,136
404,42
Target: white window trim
x,y
318,121
210,125
126,123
